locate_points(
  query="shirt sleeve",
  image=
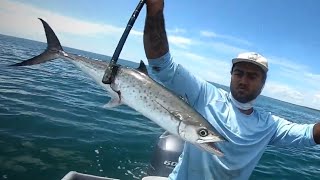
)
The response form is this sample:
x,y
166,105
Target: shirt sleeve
x,y
176,78
292,134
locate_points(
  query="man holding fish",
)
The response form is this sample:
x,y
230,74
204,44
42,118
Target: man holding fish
x,y
247,130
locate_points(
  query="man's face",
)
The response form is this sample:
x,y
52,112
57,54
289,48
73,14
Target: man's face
x,y
247,81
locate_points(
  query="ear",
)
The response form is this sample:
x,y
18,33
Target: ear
x,y
262,85
231,69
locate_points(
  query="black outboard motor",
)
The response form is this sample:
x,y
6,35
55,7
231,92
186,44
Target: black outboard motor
x,y
165,156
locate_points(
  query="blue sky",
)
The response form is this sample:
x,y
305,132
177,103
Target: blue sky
x,y
204,36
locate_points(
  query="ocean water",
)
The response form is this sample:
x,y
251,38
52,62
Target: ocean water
x,y
52,121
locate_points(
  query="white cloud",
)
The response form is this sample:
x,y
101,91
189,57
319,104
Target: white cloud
x,y
176,31
23,17
208,34
20,19
221,47
302,87
283,92
195,57
209,68
286,63
292,94
312,77
296,72
302,82
213,45
211,34
226,48
316,101
180,41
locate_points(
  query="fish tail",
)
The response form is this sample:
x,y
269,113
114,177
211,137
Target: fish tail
x,y
52,51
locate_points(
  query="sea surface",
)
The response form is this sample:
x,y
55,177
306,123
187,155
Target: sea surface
x,y
52,121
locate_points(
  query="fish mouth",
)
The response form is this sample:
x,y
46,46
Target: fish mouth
x,y
208,144
212,148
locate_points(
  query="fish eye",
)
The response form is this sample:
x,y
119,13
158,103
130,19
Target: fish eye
x,y
203,132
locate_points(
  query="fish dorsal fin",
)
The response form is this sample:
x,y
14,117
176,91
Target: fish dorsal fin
x,y
142,68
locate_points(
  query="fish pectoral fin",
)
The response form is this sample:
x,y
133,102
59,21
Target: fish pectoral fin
x,y
114,102
177,115
180,116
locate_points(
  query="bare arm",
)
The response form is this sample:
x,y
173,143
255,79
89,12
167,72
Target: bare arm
x,y
316,133
155,38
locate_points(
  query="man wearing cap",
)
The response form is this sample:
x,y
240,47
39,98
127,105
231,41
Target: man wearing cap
x,y
247,129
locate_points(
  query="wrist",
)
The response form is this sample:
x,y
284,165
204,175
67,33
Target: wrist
x,y
153,7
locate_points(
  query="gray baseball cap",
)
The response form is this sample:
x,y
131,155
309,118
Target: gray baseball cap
x,y
252,57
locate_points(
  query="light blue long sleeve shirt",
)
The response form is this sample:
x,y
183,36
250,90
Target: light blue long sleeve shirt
x,y
247,135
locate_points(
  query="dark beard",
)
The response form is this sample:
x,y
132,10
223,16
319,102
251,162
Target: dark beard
x,y
244,99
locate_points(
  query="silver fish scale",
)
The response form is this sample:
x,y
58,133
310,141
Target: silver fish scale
x,y
158,104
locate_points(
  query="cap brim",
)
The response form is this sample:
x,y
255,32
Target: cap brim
x,y
236,60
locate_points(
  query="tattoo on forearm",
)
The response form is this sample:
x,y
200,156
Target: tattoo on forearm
x,y
155,37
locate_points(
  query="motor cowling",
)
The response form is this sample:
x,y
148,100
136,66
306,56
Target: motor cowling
x,y
165,156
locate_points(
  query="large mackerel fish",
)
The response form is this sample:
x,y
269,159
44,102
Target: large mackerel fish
x,y
136,89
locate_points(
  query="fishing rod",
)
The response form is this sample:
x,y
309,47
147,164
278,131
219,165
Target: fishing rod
x,y
112,68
